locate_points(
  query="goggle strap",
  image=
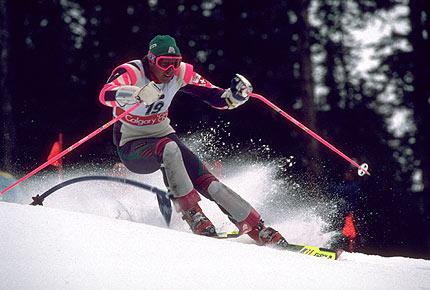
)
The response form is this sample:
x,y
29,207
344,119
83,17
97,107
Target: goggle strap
x,y
152,58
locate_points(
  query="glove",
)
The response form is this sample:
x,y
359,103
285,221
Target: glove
x,y
238,93
129,95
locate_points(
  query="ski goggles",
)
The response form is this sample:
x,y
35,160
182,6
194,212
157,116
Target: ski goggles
x,y
165,62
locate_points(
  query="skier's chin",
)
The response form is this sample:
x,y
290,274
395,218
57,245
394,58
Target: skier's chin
x,y
165,78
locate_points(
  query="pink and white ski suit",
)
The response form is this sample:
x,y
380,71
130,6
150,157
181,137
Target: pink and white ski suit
x,y
147,142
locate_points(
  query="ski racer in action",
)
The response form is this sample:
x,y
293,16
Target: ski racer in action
x,y
146,142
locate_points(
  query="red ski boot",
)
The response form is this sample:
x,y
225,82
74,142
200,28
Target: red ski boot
x,y
193,214
267,236
198,222
254,226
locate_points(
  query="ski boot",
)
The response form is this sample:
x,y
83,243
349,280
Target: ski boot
x,y
193,214
267,236
198,222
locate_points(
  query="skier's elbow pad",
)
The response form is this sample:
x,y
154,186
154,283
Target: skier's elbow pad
x,y
106,97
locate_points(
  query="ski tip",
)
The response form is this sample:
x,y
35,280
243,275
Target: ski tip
x,y
338,253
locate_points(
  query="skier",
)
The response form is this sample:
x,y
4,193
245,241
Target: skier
x,y
146,142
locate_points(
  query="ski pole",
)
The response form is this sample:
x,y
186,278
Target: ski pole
x,y
362,169
64,152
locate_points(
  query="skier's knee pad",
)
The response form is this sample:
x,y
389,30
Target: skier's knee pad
x,y
173,163
171,155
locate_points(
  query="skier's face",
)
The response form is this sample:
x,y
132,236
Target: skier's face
x,y
165,67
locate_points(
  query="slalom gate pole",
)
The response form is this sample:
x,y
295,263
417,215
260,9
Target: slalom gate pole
x,y
363,168
74,146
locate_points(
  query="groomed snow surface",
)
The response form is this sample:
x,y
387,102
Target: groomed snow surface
x,y
95,235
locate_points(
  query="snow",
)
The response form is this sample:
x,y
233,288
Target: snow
x,y
47,248
98,235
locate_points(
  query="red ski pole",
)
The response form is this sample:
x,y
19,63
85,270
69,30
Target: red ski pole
x,y
362,169
64,152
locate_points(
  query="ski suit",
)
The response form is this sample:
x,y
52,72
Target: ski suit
x,y
147,142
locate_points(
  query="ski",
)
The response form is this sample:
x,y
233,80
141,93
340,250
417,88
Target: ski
x,y
302,249
227,235
314,251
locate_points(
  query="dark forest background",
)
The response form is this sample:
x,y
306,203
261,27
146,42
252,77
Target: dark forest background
x,y
301,54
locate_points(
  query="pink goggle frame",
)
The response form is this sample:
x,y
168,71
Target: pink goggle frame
x,y
165,62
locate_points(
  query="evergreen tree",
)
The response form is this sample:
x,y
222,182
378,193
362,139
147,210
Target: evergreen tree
x,y
419,96
7,129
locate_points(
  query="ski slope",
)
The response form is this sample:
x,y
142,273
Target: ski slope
x,y
98,235
47,248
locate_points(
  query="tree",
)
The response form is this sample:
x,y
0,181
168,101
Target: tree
x,y
420,98
306,82
373,100
7,131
